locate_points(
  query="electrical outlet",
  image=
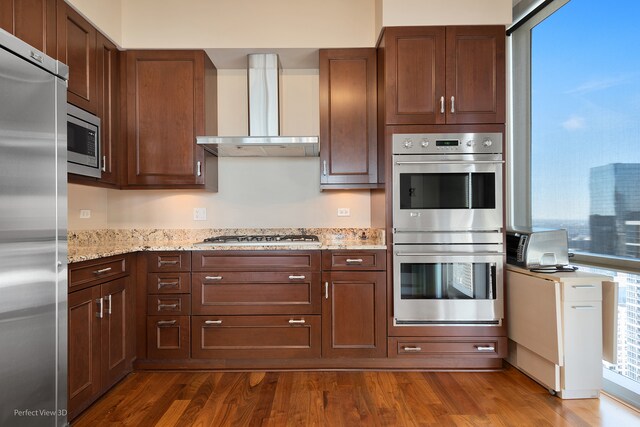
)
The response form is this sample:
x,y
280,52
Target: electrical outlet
x,y
344,212
85,213
199,214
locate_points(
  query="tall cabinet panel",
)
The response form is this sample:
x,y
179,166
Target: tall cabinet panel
x,y
107,68
77,49
33,21
348,138
165,104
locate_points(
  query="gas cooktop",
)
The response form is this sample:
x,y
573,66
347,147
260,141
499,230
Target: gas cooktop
x,y
263,240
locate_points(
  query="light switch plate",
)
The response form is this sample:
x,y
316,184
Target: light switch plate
x,y
199,214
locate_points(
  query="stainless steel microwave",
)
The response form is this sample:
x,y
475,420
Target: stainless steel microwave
x,y
83,142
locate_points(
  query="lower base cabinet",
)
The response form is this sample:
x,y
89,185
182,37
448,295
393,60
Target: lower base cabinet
x,y
252,337
485,347
99,351
168,337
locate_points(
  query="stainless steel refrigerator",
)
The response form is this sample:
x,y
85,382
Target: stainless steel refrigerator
x,y
33,237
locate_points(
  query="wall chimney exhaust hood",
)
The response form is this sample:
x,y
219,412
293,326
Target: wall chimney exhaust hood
x,y
264,119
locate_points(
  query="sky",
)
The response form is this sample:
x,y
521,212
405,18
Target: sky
x,y
585,101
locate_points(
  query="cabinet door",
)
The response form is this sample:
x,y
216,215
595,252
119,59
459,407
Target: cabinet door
x,y
165,113
108,107
348,110
33,21
414,75
475,74
116,331
168,337
84,349
77,49
353,314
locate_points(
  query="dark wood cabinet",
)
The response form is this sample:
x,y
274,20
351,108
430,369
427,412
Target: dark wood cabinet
x,y
108,100
256,337
77,49
168,305
443,75
170,98
348,118
101,313
33,21
353,306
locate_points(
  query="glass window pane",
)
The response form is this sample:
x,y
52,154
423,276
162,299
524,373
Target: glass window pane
x,y
585,123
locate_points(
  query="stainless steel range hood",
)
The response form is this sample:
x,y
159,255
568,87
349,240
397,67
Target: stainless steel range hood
x,y
264,119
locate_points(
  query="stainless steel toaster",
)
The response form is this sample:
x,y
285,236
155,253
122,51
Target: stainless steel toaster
x,y
537,248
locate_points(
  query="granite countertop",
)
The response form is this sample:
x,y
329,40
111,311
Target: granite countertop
x,y
92,244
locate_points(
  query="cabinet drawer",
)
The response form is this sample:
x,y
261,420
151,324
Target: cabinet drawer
x,y
168,283
256,260
458,347
168,337
176,305
582,291
251,337
97,271
256,293
354,260
169,261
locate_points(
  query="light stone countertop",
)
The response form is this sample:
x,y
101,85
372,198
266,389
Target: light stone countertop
x,y
93,244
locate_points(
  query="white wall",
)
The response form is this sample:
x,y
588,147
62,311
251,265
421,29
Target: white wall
x,y
247,23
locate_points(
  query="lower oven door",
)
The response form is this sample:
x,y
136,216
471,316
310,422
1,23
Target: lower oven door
x,y
463,288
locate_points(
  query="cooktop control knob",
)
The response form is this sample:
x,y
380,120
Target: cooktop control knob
x,y
424,143
408,143
487,142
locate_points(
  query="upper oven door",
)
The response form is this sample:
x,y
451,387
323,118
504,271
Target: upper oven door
x,y
447,192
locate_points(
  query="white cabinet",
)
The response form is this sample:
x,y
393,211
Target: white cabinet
x,y
556,328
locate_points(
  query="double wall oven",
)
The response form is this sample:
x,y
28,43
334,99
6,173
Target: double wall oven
x,y
447,218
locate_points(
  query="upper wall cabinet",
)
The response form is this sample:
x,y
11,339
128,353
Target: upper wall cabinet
x,y
348,118
108,84
77,49
166,108
443,75
33,21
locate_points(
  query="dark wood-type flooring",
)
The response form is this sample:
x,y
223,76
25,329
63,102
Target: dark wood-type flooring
x,y
506,398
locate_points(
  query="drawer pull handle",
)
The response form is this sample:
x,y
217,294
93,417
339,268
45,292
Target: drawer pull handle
x,y
213,277
102,270
583,286
213,322
296,322
354,261
167,306
162,323
583,307
485,347
167,262
297,277
412,349
168,285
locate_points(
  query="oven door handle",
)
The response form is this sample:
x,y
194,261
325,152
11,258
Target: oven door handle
x,y
448,253
450,162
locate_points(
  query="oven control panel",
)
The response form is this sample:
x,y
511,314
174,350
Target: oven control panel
x,y
447,143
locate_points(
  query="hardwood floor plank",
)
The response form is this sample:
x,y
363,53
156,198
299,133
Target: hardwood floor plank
x,y
370,398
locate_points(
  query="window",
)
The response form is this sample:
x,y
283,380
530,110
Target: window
x,y
575,138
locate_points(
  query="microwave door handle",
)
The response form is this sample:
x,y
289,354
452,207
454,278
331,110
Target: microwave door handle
x,y
449,162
